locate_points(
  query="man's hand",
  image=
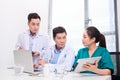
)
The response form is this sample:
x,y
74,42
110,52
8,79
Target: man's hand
x,y
41,62
35,66
35,54
20,48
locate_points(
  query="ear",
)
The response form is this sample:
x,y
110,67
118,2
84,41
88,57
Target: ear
x,y
93,39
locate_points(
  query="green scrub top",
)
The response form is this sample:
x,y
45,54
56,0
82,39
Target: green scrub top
x,y
105,61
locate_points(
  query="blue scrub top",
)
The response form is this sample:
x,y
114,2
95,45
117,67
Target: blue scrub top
x,y
104,63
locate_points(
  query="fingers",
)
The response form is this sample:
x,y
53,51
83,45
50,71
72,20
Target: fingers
x,y
87,65
35,54
90,67
20,48
96,62
41,62
35,66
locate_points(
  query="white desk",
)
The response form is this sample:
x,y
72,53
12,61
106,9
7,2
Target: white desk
x,y
8,74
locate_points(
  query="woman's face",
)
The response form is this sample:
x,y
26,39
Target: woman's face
x,y
86,40
60,40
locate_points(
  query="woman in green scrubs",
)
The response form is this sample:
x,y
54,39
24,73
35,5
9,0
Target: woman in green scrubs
x,y
92,36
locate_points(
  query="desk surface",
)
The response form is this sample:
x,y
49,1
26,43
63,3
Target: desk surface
x,y
8,74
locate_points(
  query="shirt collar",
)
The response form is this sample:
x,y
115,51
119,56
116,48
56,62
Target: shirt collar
x,y
58,51
33,35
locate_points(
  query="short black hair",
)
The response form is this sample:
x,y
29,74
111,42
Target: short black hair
x,y
58,29
33,16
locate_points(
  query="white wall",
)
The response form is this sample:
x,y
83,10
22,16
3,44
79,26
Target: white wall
x,y
13,20
118,13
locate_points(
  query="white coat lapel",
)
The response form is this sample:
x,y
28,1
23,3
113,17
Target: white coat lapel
x,y
52,53
62,56
26,37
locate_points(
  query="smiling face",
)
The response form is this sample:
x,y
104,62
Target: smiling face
x,y
87,41
60,40
34,25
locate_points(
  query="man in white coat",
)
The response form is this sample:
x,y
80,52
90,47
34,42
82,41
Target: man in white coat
x,y
32,40
62,53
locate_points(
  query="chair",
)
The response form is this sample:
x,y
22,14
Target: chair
x,y
116,61
115,77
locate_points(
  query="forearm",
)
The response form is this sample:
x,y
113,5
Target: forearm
x,y
102,71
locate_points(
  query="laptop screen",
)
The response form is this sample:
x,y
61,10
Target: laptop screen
x,y
24,58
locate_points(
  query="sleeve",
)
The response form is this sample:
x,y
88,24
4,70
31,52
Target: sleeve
x,y
76,59
107,61
19,42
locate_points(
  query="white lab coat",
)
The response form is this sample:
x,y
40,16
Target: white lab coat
x,y
66,57
41,43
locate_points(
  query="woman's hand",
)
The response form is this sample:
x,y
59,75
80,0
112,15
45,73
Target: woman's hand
x,y
91,67
94,68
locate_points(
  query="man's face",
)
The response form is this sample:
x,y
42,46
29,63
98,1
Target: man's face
x,y
34,25
60,39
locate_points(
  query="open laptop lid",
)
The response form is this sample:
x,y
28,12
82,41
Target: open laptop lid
x,y
24,58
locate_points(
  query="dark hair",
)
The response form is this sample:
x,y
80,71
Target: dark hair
x,y
57,30
33,16
93,32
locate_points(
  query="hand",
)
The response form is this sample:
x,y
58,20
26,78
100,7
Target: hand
x,y
91,67
20,48
35,54
41,62
35,66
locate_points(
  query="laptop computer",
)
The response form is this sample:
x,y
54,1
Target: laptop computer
x,y
24,58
